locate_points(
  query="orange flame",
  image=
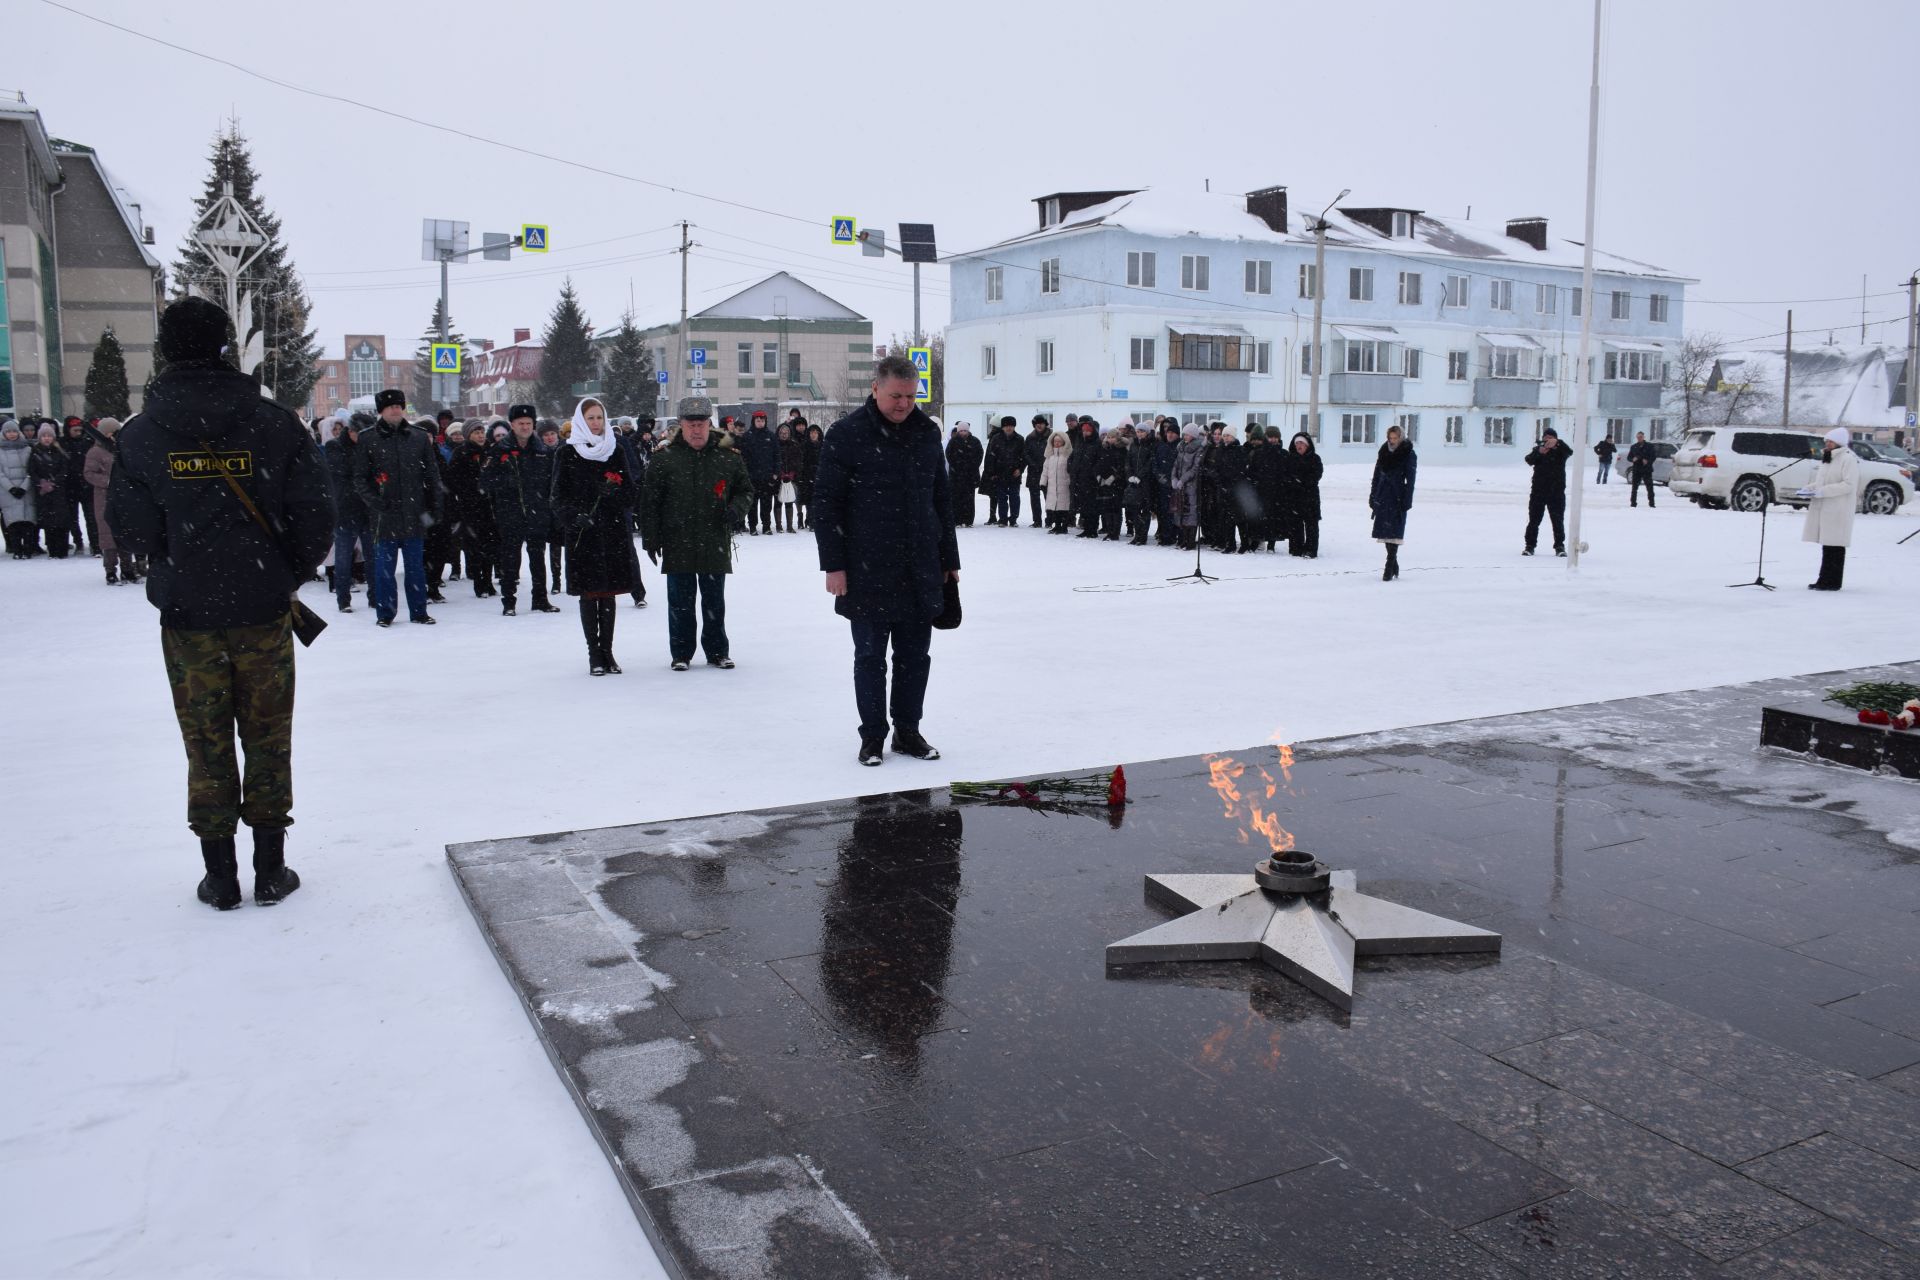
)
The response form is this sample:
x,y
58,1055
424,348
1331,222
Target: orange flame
x,y
1225,770
1224,773
1268,825
1286,760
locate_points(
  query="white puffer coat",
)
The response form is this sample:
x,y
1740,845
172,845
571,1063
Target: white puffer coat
x,y
1836,492
13,475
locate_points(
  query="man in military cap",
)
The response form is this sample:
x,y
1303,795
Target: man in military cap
x,y
225,494
693,493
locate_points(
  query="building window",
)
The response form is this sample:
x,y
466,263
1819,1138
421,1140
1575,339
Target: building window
x,y
1306,359
1307,280
1632,366
1409,288
1259,275
1657,308
1209,351
1456,366
1358,428
989,362
1579,300
1360,284
770,359
1413,362
1620,430
1313,430
793,368
1505,362
1499,431
1193,272
1045,362
1546,299
1258,419
1140,270
1456,428
1141,360
995,285
1622,304
1657,429
745,354
1456,295
1263,358
1500,295
1540,428
1409,424
1050,275
1403,226
1371,357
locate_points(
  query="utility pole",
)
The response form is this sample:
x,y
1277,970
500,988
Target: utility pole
x,y
1863,308
1786,387
1913,356
1319,297
1581,417
916,307
680,375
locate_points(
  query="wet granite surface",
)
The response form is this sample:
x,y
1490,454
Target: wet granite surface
x,y
876,1036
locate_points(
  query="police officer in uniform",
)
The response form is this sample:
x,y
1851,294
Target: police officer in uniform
x,y
226,495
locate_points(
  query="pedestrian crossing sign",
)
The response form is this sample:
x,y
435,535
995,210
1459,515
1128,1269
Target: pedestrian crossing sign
x,y
533,238
843,231
922,358
446,357
923,393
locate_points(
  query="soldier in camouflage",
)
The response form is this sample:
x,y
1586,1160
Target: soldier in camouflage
x,y
224,584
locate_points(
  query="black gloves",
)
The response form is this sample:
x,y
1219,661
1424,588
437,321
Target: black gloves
x,y
653,556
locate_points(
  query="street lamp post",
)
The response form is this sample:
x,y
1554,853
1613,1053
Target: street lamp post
x,y
1319,298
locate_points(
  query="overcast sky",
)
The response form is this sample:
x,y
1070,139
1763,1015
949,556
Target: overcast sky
x,y
1750,143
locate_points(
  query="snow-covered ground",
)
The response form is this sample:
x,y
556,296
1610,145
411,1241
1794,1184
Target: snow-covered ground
x,y
345,1086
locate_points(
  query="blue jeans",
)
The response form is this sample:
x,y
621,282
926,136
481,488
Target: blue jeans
x,y
384,551
1605,468
343,544
712,590
1006,501
911,662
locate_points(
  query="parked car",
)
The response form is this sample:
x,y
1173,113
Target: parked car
x,y
1747,467
1662,462
1876,451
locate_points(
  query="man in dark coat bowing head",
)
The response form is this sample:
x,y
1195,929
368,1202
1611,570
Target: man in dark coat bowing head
x,y
883,522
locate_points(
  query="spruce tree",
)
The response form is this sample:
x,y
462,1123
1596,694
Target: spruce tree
x,y
423,364
282,309
628,384
568,356
107,380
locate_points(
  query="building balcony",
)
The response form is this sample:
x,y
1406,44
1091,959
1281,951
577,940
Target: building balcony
x,y
1506,393
1629,395
1227,386
1364,388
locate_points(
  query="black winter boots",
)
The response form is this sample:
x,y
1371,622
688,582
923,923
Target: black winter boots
x,y
273,879
220,888
1392,570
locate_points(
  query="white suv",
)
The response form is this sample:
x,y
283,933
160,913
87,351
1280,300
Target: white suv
x,y
1747,467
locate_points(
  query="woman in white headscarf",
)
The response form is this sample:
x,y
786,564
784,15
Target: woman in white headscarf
x,y
592,497
1833,495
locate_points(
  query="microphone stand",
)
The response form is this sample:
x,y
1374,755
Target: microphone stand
x,y
1198,542
1760,566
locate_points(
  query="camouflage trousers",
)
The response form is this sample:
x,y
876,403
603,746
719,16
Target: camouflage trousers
x,y
235,677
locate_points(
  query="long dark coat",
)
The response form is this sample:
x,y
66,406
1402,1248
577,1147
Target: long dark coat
x,y
1301,479
1006,458
1266,472
1141,484
1110,475
964,457
519,480
1034,443
1083,464
1392,493
883,515
349,508
48,464
1189,467
591,501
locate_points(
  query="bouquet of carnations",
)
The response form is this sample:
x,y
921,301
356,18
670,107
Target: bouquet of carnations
x,y
1108,788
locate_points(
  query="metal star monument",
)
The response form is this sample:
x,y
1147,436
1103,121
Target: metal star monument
x,y
1302,919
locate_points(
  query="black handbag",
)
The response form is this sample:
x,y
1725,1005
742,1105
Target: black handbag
x,y
949,616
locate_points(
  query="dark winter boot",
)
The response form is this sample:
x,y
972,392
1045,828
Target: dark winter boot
x,y
870,751
220,888
590,627
113,576
506,606
1392,570
273,879
908,742
609,614
543,605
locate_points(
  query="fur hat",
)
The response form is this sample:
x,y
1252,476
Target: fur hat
x,y
192,329
389,399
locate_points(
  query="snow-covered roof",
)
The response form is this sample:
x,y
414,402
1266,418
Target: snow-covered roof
x,y
780,296
1220,215
78,151
1832,386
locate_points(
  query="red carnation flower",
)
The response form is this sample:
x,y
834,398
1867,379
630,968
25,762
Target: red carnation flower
x,y
613,477
1117,789
380,479
720,490
1873,715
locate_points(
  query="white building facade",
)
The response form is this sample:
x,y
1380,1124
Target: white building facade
x,y
1200,306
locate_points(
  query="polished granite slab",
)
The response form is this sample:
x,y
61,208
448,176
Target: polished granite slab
x,y
877,1037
